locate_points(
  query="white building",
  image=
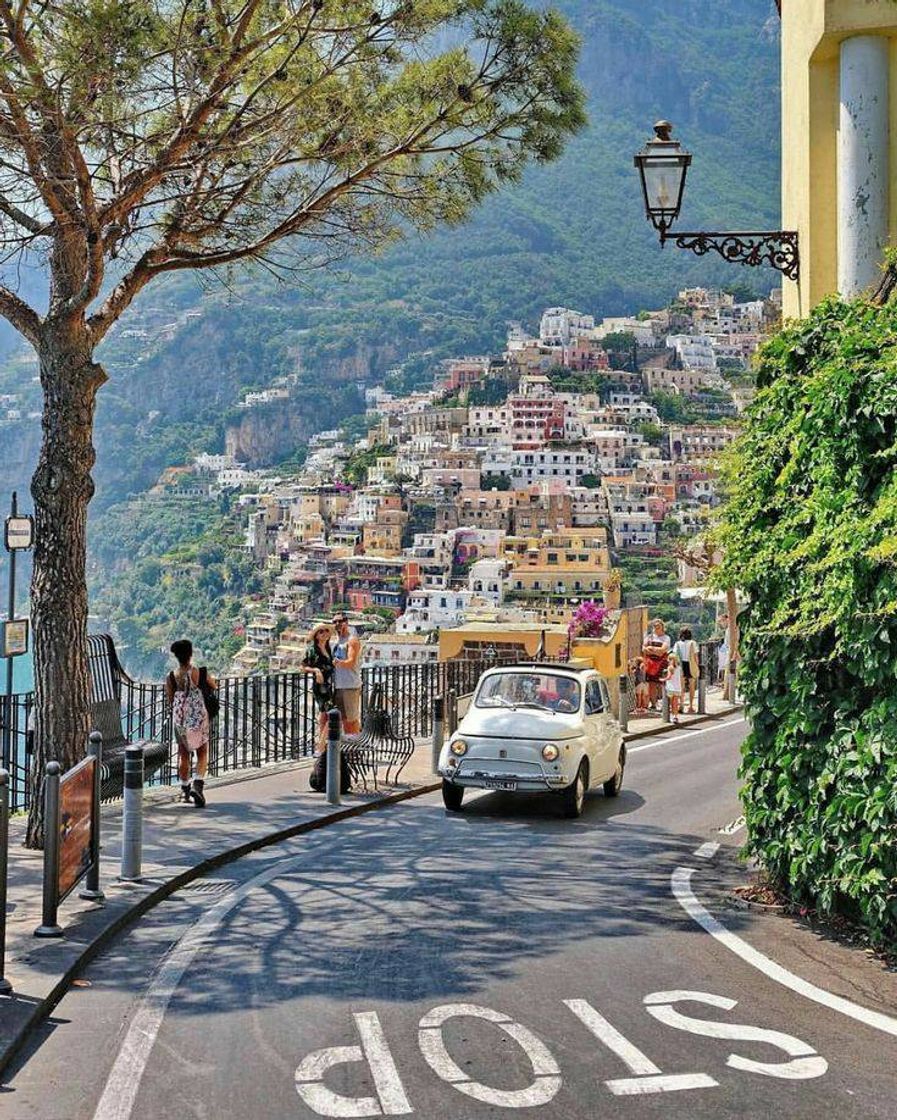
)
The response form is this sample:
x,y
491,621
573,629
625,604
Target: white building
x,y
430,608
568,463
695,351
560,326
382,650
487,580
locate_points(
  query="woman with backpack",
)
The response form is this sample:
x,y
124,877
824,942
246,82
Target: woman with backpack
x,y
191,693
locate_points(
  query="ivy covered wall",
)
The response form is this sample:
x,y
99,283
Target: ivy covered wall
x,y
810,534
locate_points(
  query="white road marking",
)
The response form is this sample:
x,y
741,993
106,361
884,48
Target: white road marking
x,y
123,1083
547,1075
708,850
681,884
733,826
390,1100
665,1083
805,1063
668,739
648,1078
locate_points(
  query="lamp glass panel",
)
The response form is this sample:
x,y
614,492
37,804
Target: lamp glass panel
x,y
663,183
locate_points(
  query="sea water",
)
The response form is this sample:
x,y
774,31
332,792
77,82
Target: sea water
x,y
22,674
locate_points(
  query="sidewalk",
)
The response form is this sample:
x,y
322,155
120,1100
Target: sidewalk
x,y
642,726
247,810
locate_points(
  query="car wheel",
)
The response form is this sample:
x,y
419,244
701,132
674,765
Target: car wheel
x,y
613,785
452,796
575,794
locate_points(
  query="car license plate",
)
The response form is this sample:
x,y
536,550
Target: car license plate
x,y
494,783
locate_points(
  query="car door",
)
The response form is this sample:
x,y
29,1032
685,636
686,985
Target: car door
x,y
602,731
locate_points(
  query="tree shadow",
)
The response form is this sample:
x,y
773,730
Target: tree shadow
x,y
427,905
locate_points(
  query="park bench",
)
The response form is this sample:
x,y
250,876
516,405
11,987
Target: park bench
x,y
106,677
380,752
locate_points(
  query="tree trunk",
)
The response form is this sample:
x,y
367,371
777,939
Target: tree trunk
x,y
731,668
61,488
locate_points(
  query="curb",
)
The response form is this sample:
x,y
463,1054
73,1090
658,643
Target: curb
x,y
632,736
43,1007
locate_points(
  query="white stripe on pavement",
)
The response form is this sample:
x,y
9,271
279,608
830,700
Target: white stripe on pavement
x,y
708,850
123,1083
681,884
665,737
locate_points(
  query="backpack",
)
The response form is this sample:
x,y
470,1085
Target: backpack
x,y
188,709
317,779
209,694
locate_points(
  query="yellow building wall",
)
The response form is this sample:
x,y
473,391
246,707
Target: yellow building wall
x,y
812,31
452,642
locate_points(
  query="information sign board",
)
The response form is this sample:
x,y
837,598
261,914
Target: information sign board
x,y
75,824
19,533
14,637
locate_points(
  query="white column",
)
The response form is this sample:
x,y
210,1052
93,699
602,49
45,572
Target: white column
x,y
863,152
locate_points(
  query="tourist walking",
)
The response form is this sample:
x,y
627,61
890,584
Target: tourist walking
x,y
655,651
346,651
190,693
318,662
686,649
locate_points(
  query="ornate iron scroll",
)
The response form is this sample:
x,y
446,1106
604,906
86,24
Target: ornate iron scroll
x,y
778,250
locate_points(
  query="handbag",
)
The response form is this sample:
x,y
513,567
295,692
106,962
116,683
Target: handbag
x,y
209,695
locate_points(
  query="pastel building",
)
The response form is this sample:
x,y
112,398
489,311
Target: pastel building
x,y
839,143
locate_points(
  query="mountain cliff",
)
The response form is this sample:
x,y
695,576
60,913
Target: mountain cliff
x,y
572,232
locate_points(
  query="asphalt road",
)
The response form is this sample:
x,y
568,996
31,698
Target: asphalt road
x,y
499,962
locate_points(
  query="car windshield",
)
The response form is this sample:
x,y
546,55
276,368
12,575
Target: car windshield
x,y
548,691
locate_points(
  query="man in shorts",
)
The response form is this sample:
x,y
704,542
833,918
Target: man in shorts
x,y
346,651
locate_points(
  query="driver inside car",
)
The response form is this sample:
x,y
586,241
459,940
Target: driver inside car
x,y
567,697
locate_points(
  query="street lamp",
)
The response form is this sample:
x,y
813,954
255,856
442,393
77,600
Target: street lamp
x,y
663,167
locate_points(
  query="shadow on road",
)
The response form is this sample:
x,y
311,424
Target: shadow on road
x,y
423,904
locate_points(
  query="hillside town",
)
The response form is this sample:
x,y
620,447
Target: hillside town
x,y
476,514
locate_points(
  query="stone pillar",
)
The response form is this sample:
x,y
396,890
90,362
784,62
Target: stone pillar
x,y
863,154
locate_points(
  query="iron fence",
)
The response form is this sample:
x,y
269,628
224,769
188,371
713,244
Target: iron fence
x,y
261,720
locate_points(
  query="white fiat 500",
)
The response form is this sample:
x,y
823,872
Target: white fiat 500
x,y
532,728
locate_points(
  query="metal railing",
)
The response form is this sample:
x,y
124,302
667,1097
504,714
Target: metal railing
x,y
261,720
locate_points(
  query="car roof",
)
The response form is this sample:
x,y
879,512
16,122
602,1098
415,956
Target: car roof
x,y
543,667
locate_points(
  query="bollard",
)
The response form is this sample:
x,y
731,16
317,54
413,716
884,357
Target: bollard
x,y
333,757
5,986
49,926
702,681
451,712
730,682
665,706
438,731
91,891
132,818
624,703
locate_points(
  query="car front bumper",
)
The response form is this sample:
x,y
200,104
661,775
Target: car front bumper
x,y
484,774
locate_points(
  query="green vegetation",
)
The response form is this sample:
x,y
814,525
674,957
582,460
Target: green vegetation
x,y
810,535
621,349
355,470
184,576
652,581
674,408
565,380
495,482
651,433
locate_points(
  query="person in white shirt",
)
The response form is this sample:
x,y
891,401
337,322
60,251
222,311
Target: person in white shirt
x,y
673,686
686,649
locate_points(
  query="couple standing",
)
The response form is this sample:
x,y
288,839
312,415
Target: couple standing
x,y
333,658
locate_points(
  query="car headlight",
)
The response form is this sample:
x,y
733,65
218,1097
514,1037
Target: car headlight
x,y
550,752
458,747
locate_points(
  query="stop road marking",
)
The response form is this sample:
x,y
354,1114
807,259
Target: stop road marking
x,y
645,1076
